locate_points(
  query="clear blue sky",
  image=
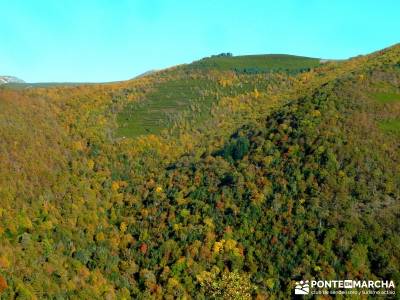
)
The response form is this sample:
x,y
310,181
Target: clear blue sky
x,y
85,40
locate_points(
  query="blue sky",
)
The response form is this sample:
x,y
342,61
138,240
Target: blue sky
x,y
91,41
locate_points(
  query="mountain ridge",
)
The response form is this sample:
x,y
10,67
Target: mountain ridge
x,y
10,79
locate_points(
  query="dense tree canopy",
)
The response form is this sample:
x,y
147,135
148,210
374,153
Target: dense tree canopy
x,y
274,177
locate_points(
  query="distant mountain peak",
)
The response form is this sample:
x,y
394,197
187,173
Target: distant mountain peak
x,y
145,74
10,79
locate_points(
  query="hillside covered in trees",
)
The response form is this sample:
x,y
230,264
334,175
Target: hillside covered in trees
x,y
212,180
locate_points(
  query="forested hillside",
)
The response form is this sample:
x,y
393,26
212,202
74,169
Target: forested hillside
x,y
209,180
184,96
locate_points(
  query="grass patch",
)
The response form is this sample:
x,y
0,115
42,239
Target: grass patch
x,y
178,100
386,97
390,126
164,106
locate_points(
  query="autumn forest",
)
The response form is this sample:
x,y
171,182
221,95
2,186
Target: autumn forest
x,y
228,178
